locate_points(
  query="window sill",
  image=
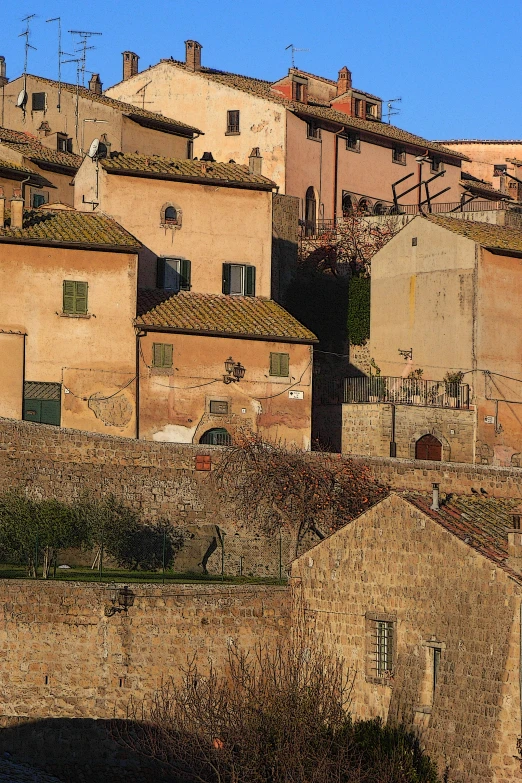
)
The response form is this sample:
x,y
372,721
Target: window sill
x,y
380,680
76,315
170,225
232,133
399,162
162,370
352,149
313,138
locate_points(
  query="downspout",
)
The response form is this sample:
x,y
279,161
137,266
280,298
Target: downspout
x,y
393,445
320,180
23,375
520,672
336,166
139,334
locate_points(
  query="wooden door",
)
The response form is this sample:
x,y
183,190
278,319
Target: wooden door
x,y
428,447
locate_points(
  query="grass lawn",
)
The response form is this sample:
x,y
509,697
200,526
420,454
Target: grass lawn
x,y
86,574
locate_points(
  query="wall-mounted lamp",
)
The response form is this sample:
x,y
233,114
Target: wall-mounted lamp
x,y
121,600
235,371
406,354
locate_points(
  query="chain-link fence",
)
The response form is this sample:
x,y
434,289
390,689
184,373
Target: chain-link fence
x,y
156,554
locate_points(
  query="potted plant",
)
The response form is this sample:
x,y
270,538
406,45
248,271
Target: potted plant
x,y
415,386
452,382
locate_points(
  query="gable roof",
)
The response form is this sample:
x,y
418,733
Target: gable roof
x,y
68,228
15,171
481,187
213,314
480,522
31,147
231,174
492,237
134,112
263,89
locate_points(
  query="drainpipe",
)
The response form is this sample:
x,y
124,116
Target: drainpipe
x,y
336,166
520,673
393,445
138,335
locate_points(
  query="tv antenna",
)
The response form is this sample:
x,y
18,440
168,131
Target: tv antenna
x,y
294,50
143,90
60,55
84,36
26,34
392,110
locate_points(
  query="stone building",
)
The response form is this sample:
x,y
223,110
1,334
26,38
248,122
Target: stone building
x,y
423,599
67,118
445,309
322,140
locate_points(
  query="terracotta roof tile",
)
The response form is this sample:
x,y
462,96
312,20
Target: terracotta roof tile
x,y
8,165
480,186
125,108
480,522
31,147
263,89
486,234
214,314
183,169
68,227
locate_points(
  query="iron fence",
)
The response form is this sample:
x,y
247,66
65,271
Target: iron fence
x,y
389,389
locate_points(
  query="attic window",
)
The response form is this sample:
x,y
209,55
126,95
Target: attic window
x,y
38,101
313,131
399,155
435,165
357,104
353,142
171,216
298,91
371,109
63,143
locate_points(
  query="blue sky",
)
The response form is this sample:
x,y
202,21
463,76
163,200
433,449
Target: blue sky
x,y
456,64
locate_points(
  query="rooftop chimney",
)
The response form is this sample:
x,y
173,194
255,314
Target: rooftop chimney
x,y
255,161
193,55
208,156
2,208
344,81
436,498
43,129
3,77
515,540
130,65
95,84
17,210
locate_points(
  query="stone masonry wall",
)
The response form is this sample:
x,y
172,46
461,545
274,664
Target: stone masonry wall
x,y
367,429
396,564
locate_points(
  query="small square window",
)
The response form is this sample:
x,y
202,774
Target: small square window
x,y
399,155
233,121
414,241
219,407
371,109
63,143
75,297
499,169
280,364
313,131
436,165
39,101
162,355
353,142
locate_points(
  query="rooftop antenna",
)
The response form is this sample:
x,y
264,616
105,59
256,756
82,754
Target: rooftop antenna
x,y
22,98
60,55
294,50
142,89
83,49
392,110
78,61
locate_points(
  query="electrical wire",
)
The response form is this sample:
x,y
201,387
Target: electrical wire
x,y
100,399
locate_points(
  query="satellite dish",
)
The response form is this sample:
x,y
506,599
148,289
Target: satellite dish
x,y
22,99
93,149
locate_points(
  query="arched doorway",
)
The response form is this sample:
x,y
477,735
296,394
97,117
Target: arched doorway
x,y
310,212
218,436
428,447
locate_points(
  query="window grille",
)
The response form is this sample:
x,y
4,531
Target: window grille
x,y
233,121
219,406
383,647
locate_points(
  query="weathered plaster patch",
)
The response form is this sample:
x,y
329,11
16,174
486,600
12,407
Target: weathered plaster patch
x,y
114,412
259,126
175,433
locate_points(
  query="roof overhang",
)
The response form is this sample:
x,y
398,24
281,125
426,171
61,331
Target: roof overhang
x,y
233,335
8,240
32,178
166,127
222,183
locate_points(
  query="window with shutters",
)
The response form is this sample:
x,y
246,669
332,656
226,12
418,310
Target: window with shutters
x,y
39,101
280,364
232,122
173,274
75,297
162,354
239,279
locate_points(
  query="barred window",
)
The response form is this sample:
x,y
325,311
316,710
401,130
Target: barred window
x,y
380,646
233,121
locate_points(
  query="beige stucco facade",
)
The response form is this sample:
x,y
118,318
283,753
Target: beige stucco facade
x,y
218,224
59,190
92,357
485,158
396,563
175,405
457,306
83,124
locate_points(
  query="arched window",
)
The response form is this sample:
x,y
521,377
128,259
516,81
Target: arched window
x,y
310,213
378,209
171,215
428,447
218,436
365,207
347,204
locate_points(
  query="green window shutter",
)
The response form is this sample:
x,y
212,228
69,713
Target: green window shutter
x,y
184,274
274,364
226,278
250,281
81,297
284,364
157,354
160,273
167,355
68,296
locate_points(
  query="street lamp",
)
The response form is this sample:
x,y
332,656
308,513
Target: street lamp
x,y
235,371
121,600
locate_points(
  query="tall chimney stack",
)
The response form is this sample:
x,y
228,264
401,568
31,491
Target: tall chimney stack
x,y
95,84
255,161
344,81
17,210
130,65
193,55
436,498
3,77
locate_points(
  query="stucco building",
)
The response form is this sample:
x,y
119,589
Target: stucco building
x,y
322,141
445,304
68,118
424,603
493,160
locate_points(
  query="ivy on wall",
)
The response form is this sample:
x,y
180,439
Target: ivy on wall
x,y
359,310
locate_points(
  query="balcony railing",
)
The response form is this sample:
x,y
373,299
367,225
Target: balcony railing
x,y
389,389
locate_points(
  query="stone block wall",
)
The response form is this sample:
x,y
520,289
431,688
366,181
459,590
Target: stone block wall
x,y
367,430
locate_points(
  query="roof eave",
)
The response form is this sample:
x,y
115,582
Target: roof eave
x,y
167,127
58,168
223,183
235,335
8,240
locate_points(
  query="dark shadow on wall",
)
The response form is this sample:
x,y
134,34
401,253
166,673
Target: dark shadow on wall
x,y
77,750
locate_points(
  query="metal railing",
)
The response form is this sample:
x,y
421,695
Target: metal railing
x,y
389,389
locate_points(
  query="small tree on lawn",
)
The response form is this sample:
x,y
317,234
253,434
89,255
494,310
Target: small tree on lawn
x,y
274,488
